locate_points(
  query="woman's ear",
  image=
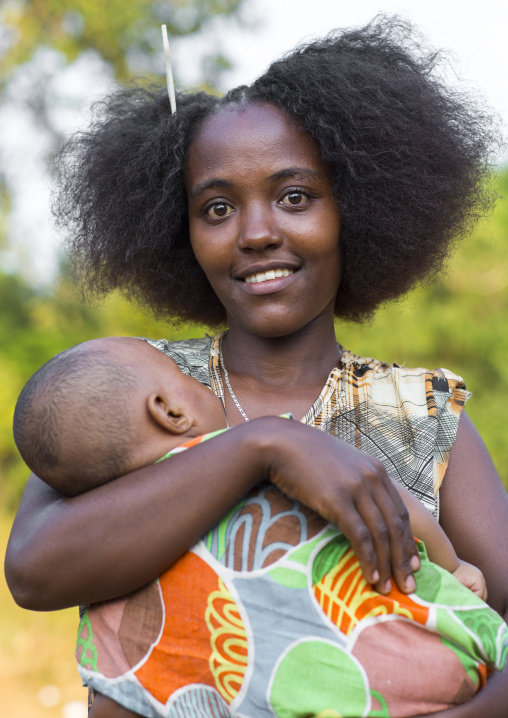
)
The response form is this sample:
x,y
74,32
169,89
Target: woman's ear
x,y
174,420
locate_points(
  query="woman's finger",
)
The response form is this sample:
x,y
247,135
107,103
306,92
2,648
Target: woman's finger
x,y
380,523
360,536
380,534
404,559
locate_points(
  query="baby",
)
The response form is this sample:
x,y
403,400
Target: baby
x,y
186,641
107,407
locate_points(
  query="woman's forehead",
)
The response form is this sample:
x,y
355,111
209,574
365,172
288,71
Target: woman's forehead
x,y
241,138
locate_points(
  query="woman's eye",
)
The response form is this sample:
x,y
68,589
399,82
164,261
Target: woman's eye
x,y
219,210
295,198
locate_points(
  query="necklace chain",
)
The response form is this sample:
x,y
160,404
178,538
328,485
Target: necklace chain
x,y
233,395
228,384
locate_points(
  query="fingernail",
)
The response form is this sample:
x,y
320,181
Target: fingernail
x,y
410,584
388,586
375,577
414,563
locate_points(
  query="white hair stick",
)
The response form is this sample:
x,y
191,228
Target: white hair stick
x,y
169,71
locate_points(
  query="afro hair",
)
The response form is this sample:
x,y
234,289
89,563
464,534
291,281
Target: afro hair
x,y
409,158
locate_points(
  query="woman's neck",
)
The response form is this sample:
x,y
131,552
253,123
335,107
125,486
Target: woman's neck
x,y
307,355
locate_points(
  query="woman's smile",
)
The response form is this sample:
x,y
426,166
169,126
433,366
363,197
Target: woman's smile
x,y
261,277
264,222
268,281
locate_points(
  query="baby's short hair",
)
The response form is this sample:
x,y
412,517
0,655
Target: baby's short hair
x,y
72,407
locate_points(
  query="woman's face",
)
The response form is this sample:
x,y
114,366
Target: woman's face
x,y
264,224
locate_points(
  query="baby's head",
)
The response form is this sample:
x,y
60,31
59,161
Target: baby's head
x,y
107,407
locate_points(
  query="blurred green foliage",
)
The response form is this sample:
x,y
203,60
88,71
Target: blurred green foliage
x,y
459,323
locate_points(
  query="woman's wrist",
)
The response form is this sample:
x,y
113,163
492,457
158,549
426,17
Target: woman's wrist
x,y
267,440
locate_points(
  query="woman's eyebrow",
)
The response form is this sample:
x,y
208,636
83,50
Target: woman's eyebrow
x,y
209,184
303,172
286,173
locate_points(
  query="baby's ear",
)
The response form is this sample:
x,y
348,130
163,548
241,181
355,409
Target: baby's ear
x,y
166,415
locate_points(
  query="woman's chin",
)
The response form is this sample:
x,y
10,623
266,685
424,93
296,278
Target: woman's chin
x,y
275,325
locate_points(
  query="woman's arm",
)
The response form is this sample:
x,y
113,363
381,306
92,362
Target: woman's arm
x,y
474,515
103,707
114,539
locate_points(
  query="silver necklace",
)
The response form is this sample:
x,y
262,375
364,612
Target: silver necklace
x,y
237,403
226,377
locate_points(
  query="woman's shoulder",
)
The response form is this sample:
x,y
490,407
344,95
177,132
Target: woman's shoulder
x,y
408,417
441,379
191,355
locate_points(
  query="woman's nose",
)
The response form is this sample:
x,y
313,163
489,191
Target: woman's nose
x,y
258,229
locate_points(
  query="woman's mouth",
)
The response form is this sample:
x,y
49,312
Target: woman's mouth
x,y
269,280
267,276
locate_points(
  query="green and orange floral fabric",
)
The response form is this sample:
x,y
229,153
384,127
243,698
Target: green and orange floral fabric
x,y
269,614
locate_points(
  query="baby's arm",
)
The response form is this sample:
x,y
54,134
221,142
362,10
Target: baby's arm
x,y
106,708
439,547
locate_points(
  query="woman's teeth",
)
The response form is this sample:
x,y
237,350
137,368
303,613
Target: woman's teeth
x,y
266,276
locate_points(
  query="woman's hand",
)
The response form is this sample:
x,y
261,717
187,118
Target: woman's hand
x,y
114,539
352,490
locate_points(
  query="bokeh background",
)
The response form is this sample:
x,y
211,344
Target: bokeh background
x,y
56,58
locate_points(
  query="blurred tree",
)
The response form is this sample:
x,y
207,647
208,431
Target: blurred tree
x,y
5,202
119,31
125,36
56,55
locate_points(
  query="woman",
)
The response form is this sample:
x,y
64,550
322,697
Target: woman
x,y
333,183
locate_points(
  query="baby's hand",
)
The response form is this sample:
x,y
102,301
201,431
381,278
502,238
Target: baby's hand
x,y
472,578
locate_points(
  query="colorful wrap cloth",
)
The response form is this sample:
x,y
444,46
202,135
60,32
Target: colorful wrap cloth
x,y
268,614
